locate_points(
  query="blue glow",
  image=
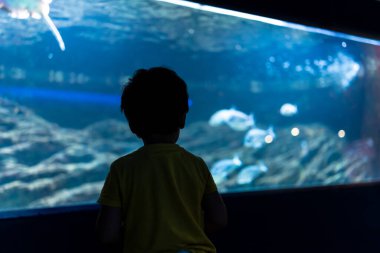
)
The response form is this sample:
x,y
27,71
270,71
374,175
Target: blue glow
x,y
270,21
61,95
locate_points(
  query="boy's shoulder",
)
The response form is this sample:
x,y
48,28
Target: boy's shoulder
x,y
122,160
191,154
195,157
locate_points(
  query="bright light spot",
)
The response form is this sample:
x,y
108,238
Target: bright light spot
x,y
344,44
298,68
268,139
341,133
295,131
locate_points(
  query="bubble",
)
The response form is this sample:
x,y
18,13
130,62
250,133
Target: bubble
x,y
286,65
341,133
238,47
309,70
50,56
295,131
268,139
344,44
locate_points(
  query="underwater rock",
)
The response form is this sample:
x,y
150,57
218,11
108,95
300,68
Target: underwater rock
x,y
85,193
212,143
32,153
39,158
290,165
43,164
104,129
112,136
316,157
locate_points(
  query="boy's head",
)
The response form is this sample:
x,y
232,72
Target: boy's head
x,y
155,101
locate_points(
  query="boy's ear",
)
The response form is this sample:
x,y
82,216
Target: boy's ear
x,y
182,121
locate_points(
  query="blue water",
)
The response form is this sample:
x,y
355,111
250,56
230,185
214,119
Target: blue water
x,y
66,103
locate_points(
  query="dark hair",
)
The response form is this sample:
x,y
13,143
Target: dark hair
x,y
154,101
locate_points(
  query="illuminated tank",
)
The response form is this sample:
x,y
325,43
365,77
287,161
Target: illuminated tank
x,y
274,105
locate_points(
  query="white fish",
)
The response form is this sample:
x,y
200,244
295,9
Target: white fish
x,y
235,119
36,9
255,138
288,110
221,169
249,173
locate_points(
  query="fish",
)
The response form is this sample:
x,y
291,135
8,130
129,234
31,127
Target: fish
x,y
256,137
223,168
249,173
288,110
236,120
37,9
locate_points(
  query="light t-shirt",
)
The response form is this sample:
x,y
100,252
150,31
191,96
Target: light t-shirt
x,y
159,189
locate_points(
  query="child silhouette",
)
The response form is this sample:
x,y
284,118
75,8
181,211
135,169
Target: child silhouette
x,y
161,197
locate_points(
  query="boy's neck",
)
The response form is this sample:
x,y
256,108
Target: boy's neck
x,y
161,138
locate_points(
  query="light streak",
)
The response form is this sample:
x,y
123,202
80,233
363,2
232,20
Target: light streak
x,y
271,21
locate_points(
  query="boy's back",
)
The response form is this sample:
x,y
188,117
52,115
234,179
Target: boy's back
x,y
160,198
163,186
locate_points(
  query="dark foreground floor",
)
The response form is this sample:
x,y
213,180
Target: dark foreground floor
x,y
333,219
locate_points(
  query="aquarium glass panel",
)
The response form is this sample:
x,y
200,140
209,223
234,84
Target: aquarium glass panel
x,y
274,105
